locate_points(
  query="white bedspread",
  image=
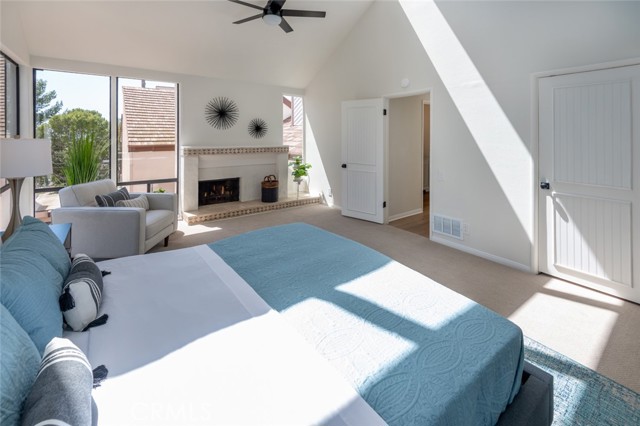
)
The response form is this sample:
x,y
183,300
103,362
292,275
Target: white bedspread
x,y
188,342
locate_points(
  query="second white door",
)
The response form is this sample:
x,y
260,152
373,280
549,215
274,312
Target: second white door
x,y
589,165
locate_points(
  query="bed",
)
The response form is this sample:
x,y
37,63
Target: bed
x,y
288,325
295,325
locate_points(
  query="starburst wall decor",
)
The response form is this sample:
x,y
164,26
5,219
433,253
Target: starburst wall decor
x,y
258,128
221,113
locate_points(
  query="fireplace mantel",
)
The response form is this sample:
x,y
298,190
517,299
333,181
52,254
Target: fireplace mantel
x,y
233,150
250,163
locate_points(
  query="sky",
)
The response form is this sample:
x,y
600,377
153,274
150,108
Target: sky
x,y
85,90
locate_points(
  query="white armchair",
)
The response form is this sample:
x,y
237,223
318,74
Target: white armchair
x,y
110,232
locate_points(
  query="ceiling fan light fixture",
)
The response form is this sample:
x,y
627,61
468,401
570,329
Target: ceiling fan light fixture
x,y
271,19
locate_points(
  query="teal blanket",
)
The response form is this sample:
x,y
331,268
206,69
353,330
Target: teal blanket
x,y
417,352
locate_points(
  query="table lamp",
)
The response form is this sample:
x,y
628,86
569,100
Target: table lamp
x,y
21,158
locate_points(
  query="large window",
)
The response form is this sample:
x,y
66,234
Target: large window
x,y
147,135
72,110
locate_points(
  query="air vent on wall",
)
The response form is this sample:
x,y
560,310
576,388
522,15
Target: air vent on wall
x,y
447,226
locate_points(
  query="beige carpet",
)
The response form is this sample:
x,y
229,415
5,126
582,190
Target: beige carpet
x,y
599,331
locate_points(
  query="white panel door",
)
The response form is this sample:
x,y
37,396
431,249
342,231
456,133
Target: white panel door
x,y
589,167
363,159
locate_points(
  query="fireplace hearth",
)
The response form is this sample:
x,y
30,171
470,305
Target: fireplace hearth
x,y
218,191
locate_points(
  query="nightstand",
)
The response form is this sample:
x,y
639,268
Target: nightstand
x,y
63,232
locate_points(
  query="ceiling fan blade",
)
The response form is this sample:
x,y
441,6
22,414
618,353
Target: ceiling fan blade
x,y
303,13
285,26
246,4
251,18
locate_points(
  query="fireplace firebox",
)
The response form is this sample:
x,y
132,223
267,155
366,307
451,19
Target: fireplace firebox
x,y
218,191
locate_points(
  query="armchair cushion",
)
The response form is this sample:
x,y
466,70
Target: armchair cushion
x,y
110,199
84,194
157,220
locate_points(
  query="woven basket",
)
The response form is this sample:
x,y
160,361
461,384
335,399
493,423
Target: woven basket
x,y
270,182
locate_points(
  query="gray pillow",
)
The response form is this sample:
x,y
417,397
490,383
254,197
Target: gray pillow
x,y
82,294
140,201
110,200
61,393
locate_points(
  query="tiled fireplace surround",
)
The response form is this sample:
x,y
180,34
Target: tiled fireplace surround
x,y
250,163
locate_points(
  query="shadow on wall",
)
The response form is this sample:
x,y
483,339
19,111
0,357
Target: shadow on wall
x,y
468,125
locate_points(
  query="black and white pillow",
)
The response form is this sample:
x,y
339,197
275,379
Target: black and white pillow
x,y
110,199
61,394
82,294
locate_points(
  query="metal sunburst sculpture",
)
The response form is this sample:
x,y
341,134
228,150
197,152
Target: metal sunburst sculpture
x,y
258,128
221,112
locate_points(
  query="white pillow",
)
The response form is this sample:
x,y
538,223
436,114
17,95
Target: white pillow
x,y
141,202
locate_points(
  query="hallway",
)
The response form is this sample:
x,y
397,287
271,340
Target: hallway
x,y
418,223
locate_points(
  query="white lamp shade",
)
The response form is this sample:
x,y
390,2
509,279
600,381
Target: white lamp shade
x,y
21,158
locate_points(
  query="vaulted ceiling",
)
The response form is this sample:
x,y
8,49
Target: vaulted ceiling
x,y
188,37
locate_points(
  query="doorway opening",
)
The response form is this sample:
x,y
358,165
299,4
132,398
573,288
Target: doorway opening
x,y
409,163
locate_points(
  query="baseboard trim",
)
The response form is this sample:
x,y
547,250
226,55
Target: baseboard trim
x,y
482,254
405,214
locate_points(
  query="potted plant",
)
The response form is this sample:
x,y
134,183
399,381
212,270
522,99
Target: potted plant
x,y
83,159
299,169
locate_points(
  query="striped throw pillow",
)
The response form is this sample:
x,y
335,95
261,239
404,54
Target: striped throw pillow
x,y
110,199
82,294
140,201
61,394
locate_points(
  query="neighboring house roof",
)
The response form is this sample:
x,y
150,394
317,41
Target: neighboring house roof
x,y
149,118
292,136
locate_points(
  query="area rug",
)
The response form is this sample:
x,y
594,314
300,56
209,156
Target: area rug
x,y
581,395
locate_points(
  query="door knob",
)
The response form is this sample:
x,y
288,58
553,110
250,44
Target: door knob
x,y
545,185
344,166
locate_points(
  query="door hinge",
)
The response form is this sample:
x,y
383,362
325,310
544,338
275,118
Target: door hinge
x,y
384,111
384,204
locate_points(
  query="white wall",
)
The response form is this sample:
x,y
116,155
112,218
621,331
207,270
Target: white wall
x,y
253,101
483,176
405,156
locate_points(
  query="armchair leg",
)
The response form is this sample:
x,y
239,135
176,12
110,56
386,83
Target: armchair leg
x,y
166,241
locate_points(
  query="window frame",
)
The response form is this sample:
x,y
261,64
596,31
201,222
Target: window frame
x,y
7,58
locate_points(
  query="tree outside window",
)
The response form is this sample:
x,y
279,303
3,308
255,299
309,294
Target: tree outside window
x,y
72,110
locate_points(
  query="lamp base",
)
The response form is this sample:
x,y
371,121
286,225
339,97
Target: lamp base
x,y
16,218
